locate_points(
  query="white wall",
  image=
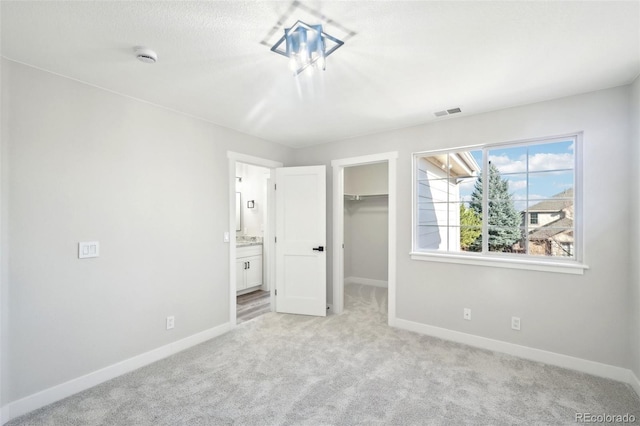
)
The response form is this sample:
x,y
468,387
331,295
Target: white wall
x,y
634,282
368,179
149,184
366,230
366,224
584,316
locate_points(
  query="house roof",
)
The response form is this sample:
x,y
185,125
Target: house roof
x,y
552,228
556,203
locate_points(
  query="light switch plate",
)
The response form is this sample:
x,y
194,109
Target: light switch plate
x,y
88,249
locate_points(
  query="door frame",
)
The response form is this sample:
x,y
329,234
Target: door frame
x,y
268,245
338,226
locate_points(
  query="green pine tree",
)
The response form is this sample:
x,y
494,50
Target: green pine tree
x,y
504,219
470,227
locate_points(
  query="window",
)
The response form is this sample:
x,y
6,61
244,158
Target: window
x,y
499,201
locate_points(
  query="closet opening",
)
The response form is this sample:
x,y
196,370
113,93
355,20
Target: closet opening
x,y
364,230
366,233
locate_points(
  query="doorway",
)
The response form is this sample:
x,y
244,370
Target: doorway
x,y
339,204
365,225
252,284
251,225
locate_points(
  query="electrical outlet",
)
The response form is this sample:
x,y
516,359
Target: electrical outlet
x,y
467,314
515,323
171,322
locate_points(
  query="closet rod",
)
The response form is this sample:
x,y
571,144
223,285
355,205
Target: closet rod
x,y
362,197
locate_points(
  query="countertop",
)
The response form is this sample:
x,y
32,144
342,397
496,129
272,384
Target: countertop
x,y
248,243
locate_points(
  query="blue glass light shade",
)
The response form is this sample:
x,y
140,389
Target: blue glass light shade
x,y
306,45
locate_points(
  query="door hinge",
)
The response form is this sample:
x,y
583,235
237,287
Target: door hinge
x,y
275,186
276,291
276,238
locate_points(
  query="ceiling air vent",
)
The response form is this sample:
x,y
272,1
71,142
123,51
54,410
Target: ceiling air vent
x,y
447,112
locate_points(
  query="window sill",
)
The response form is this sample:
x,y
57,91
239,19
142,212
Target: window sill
x,y
497,262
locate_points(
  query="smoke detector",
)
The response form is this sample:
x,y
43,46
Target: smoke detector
x,y
145,55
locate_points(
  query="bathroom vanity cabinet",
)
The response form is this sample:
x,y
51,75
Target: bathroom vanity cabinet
x,y
248,267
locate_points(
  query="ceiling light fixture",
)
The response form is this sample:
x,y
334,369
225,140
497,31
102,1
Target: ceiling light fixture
x,y
306,45
145,55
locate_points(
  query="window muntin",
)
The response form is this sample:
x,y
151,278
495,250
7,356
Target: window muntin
x,y
530,207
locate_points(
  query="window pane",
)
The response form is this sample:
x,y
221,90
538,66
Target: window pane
x,y
432,237
545,185
551,156
509,160
505,239
529,201
504,220
556,241
551,214
445,182
468,229
432,202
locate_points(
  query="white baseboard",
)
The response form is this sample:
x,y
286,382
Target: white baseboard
x,y
366,281
591,367
63,390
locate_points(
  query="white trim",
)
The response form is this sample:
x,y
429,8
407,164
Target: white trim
x,y
393,212
232,239
250,159
268,243
63,390
565,361
338,226
338,239
366,281
365,159
501,262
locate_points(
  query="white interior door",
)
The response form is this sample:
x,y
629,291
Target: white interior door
x,y
301,278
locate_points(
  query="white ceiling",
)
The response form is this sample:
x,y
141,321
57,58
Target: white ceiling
x,y
406,60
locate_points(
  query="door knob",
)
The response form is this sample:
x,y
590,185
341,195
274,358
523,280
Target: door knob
x,y
319,248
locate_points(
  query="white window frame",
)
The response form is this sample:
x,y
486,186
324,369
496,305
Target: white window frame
x,y
503,260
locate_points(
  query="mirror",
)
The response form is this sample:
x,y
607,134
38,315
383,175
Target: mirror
x,y
238,210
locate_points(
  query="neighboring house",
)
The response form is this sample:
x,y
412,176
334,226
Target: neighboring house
x,y
439,182
550,226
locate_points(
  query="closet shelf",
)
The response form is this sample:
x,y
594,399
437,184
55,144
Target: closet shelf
x,y
358,197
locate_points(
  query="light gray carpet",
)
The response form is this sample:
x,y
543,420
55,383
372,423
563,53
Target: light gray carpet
x,y
339,370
